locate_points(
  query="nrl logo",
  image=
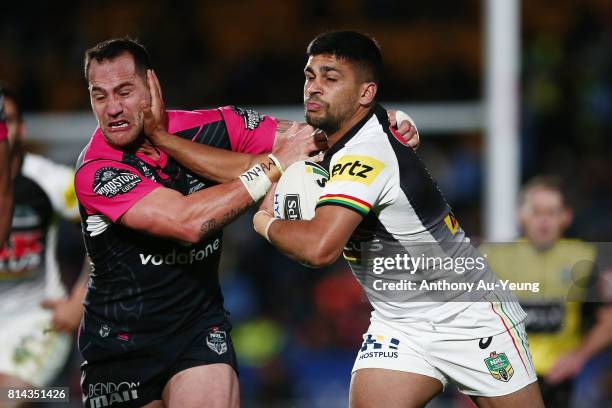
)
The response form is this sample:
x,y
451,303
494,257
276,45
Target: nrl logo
x,y
217,341
104,331
499,366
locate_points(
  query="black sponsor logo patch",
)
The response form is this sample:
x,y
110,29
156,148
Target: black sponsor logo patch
x,y
251,118
292,207
110,181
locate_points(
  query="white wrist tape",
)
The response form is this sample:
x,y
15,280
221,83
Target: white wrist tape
x,y
256,182
402,116
258,223
267,228
277,163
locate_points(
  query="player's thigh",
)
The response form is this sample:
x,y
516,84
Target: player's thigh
x,y
211,385
378,387
527,397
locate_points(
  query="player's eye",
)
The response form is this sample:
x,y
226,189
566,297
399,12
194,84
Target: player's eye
x,y
99,97
332,79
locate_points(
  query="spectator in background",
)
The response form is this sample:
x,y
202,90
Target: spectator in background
x,y
35,342
6,192
567,271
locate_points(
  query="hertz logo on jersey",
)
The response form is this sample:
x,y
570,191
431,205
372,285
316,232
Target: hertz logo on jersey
x,y
362,169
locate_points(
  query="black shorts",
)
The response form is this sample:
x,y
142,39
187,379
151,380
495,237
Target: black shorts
x,y
139,377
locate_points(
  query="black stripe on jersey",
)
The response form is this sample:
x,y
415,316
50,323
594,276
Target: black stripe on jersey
x,y
216,135
190,133
212,134
415,180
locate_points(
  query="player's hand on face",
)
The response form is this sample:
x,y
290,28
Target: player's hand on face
x,y
407,128
66,313
299,142
154,112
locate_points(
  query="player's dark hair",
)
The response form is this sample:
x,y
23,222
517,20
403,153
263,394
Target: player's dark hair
x,y
551,183
111,49
10,93
353,46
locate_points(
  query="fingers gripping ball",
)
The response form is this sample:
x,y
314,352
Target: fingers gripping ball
x,y
298,191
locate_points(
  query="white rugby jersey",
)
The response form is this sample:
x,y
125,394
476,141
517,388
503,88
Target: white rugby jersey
x,y
29,270
409,253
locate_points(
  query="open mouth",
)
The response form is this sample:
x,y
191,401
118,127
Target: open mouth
x,y
118,124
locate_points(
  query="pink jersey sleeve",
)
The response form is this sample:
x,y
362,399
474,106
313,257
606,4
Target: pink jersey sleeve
x,y
249,131
110,188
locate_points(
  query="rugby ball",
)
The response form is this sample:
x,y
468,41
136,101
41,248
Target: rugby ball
x,y
298,191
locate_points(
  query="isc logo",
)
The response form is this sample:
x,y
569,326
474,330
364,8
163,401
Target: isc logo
x,y
362,169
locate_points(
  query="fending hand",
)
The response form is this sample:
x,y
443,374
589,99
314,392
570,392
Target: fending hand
x,y
153,110
299,142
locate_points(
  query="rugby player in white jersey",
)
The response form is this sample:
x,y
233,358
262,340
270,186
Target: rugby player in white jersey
x,y
37,314
382,209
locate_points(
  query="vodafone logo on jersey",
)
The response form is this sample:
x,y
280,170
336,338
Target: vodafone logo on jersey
x,y
181,257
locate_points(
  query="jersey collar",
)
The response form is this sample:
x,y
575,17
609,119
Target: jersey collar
x,y
376,109
109,152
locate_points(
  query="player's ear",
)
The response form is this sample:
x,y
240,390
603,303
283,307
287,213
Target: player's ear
x,y
368,93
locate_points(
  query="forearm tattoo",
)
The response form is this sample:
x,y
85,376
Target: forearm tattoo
x,y
211,225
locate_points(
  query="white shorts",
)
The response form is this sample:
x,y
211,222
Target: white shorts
x,y
491,366
31,351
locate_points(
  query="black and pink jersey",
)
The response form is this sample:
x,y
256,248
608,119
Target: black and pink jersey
x,y
143,288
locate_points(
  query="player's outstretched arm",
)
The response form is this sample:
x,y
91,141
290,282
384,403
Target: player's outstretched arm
x,y
596,340
167,213
68,311
317,242
293,142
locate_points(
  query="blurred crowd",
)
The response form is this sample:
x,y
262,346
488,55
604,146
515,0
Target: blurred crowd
x,y
296,330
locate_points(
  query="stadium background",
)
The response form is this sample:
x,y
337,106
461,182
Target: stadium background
x,y
297,330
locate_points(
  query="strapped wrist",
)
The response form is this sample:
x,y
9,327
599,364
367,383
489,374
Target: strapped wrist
x,y
277,163
261,223
256,182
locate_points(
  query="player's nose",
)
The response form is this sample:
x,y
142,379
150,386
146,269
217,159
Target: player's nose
x,y
314,87
114,107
